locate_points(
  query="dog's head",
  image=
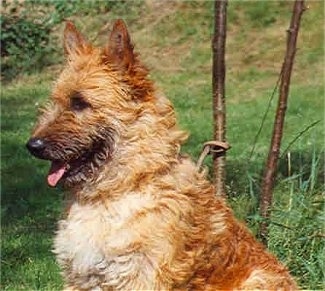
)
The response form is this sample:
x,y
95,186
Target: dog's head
x,y
101,100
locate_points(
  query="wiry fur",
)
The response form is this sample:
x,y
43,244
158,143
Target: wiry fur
x,y
140,215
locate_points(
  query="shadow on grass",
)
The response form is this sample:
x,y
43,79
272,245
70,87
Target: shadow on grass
x,y
24,189
29,212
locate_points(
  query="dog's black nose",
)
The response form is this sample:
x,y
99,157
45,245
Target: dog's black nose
x,y
36,146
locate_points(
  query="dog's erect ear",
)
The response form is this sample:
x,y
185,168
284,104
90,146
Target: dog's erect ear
x,y
73,40
119,49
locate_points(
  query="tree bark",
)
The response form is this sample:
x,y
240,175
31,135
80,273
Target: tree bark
x,y
274,151
218,87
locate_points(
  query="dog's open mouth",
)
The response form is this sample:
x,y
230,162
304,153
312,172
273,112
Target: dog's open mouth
x,y
74,171
56,172
79,169
73,162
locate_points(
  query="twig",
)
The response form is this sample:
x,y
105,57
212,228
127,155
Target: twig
x,y
298,136
264,116
273,156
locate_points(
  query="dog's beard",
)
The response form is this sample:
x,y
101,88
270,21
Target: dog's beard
x,y
72,170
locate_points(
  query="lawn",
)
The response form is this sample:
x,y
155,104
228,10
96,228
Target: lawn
x,y
174,41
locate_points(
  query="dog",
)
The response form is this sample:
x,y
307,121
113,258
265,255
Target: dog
x,y
139,216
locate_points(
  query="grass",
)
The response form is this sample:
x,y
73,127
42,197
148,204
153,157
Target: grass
x,y
29,209
174,41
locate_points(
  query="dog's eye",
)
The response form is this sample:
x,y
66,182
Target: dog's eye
x,y
78,103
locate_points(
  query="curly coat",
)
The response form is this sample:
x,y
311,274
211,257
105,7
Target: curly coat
x,y
140,216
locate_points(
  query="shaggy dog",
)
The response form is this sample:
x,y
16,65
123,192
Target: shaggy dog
x,y
140,216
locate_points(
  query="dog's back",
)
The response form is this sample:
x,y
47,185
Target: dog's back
x,y
140,216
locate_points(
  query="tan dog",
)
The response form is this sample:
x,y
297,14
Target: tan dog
x,y
140,215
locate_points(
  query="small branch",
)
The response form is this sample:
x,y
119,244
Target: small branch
x,y
273,156
264,117
299,135
218,86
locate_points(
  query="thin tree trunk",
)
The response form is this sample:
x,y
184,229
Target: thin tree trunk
x,y
218,87
272,160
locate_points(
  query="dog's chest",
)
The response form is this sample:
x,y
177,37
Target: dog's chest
x,y
95,245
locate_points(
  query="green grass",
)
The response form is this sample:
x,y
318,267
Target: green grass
x,y
29,210
174,41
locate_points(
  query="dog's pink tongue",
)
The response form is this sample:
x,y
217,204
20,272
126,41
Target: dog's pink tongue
x,y
55,174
